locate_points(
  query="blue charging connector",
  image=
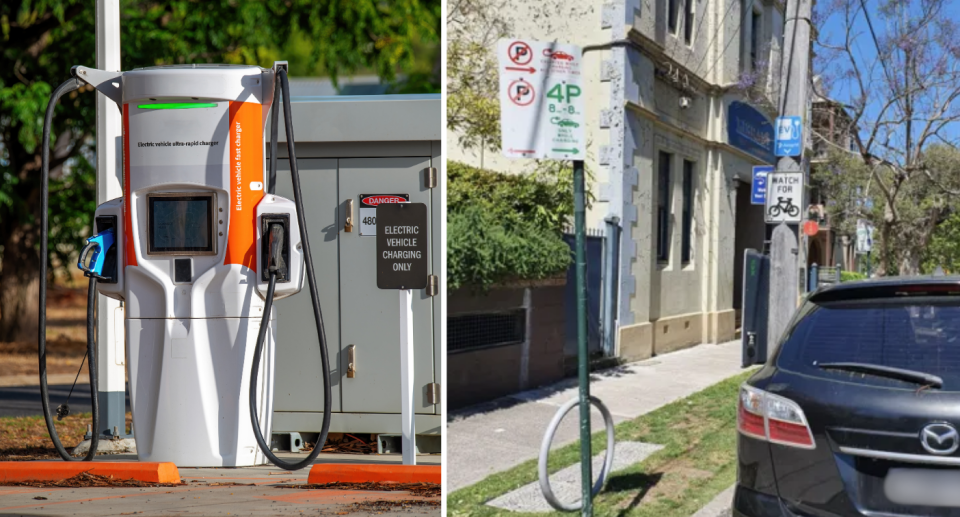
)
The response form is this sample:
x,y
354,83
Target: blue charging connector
x,y
99,244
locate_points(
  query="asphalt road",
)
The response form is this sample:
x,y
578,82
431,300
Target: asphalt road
x,y
25,400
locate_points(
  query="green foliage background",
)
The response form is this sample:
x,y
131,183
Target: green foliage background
x,y
40,40
850,276
503,227
911,231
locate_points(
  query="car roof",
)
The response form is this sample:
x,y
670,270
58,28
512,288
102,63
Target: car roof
x,y
884,287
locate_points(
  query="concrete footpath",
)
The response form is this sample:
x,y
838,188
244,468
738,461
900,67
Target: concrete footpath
x,y
255,491
493,437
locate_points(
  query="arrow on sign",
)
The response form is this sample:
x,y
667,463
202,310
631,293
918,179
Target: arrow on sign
x,y
528,69
571,151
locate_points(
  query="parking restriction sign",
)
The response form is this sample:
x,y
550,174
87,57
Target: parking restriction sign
x,y
541,100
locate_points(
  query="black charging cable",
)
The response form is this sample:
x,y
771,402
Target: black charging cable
x,y
64,88
275,262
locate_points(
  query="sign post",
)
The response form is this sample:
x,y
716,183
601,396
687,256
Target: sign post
x,y
402,265
542,116
583,366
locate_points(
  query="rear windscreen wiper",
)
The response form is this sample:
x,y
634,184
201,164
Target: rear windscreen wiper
x,y
926,379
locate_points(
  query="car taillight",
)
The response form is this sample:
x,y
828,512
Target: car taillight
x,y
770,417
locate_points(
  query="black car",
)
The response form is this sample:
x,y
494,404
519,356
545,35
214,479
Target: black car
x,y
857,410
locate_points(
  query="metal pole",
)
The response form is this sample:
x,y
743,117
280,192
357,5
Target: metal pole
x,y
787,257
610,253
408,427
110,335
814,277
579,216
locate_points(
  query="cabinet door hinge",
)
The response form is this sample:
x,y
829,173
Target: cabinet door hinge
x,y
433,285
433,393
430,177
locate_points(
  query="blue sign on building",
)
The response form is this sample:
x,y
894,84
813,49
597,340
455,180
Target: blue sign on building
x,y
789,136
758,189
750,131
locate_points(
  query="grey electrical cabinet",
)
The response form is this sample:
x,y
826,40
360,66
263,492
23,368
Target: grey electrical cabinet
x,y
349,149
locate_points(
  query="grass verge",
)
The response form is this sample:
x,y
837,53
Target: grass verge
x,y
698,461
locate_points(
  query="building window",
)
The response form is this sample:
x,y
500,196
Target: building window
x,y
672,15
688,21
754,39
663,208
687,237
743,33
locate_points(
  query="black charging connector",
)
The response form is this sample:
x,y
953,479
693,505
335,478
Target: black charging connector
x,y
275,247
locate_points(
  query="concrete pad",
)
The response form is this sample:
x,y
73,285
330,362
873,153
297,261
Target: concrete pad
x,y
347,473
566,482
149,472
106,446
719,506
493,437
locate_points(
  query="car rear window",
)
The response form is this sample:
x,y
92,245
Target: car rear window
x,y
910,334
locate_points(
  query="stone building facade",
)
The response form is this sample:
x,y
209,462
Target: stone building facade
x,y
679,98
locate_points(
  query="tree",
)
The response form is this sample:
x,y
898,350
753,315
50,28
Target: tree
x,y
901,89
42,39
921,204
473,105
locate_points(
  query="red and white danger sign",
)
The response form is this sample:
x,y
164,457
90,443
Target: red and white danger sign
x,y
368,209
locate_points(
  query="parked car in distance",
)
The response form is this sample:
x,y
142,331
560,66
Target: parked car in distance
x,y
856,411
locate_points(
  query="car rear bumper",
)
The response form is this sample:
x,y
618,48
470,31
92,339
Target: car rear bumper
x,y
750,503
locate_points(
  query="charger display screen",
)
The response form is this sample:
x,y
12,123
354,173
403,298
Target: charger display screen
x,y
181,224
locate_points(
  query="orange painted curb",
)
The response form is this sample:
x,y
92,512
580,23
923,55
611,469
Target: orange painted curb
x,y
58,470
349,473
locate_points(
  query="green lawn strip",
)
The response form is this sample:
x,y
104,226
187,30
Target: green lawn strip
x,y
698,461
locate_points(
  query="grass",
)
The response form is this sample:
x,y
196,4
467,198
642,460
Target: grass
x,y
698,461
26,437
29,433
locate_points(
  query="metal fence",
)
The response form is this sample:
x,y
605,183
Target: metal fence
x,y
823,275
594,271
467,332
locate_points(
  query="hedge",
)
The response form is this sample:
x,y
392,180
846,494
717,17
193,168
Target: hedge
x,y
503,228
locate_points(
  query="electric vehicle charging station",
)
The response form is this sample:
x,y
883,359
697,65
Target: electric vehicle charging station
x,y
193,239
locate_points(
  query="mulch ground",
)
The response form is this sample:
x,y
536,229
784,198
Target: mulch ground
x,y
345,444
418,489
88,480
386,506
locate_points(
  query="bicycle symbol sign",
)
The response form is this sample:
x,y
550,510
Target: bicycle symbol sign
x,y
784,197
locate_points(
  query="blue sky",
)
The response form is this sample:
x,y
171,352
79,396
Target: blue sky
x,y
843,89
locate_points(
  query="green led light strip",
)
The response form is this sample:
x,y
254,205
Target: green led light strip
x,y
177,105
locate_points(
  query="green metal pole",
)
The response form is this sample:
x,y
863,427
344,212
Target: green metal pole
x,y
579,216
